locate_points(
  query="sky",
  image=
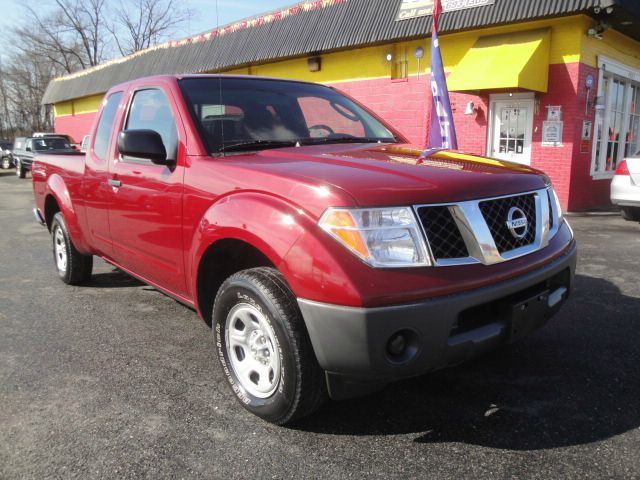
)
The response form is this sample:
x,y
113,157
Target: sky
x,y
204,18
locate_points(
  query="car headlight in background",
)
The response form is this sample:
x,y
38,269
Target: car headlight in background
x,y
382,237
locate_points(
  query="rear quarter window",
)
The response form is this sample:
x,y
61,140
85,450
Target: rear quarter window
x,y
105,126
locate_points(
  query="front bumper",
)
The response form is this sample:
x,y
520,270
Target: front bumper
x,y
351,344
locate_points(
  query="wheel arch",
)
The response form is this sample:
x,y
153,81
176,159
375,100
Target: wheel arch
x,y
240,231
58,199
219,261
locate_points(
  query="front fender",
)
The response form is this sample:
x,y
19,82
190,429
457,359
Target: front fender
x,y
57,187
268,223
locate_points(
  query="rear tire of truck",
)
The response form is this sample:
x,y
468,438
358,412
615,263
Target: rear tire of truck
x,y
631,213
73,267
264,348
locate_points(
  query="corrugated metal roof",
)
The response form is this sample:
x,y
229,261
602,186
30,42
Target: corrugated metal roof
x,y
337,25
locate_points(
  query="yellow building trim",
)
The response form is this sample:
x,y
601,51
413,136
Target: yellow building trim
x,y
63,109
613,45
78,106
371,63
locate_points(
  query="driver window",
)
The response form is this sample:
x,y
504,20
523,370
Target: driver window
x,y
324,118
150,110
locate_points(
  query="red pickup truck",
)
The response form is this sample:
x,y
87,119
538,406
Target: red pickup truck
x,y
329,256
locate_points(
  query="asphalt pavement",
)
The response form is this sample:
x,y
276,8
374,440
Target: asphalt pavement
x,y
116,380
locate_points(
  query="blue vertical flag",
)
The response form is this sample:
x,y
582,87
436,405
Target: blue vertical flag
x,y
442,131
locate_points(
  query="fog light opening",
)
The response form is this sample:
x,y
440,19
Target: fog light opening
x,y
397,344
402,346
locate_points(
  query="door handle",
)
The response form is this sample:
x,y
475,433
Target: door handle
x,y
114,183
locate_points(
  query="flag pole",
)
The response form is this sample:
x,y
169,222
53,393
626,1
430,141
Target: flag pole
x,y
442,132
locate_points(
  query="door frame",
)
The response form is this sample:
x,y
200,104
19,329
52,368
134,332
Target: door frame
x,y
502,97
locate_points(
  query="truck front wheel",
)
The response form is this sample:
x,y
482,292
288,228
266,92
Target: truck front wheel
x,y
264,349
73,267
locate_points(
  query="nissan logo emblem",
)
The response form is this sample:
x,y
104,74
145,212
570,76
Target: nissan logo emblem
x,y
517,223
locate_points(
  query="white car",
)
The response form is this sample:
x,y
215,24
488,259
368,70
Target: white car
x,y
625,188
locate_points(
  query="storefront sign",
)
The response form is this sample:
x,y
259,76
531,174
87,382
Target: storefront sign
x,y
422,8
552,133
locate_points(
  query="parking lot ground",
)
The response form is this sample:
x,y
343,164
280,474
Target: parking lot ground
x,y
115,380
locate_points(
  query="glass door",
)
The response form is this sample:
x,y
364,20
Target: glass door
x,y
512,130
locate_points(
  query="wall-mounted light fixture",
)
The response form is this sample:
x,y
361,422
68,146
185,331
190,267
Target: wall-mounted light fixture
x,y
389,57
471,109
314,64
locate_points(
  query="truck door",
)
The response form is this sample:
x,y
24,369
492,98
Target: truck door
x,y
145,213
95,190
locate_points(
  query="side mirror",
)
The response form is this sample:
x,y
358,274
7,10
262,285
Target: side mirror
x,y
143,144
28,149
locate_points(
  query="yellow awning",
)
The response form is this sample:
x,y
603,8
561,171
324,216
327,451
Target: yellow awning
x,y
512,60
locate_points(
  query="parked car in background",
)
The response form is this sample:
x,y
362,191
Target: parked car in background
x,y
6,158
625,188
25,148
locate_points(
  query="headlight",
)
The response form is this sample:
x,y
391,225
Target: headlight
x,y
382,237
556,201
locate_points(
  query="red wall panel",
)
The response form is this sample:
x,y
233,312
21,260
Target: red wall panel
x,y
75,125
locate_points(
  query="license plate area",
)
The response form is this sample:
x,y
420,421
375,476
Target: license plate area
x,y
527,315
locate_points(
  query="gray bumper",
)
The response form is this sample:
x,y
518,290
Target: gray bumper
x,y
351,344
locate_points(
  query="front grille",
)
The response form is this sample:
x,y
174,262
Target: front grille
x,y
496,214
442,233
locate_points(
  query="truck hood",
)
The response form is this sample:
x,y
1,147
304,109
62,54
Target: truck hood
x,y
383,174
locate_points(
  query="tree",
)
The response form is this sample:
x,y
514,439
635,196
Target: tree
x,y
139,24
59,37
71,34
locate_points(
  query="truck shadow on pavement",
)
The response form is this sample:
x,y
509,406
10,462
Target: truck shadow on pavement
x,y
574,382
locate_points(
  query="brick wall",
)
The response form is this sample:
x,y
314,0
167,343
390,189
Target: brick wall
x,y
402,103
75,125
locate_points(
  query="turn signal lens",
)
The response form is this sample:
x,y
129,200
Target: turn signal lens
x,y
623,169
382,237
341,224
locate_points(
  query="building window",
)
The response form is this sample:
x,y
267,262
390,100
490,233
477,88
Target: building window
x,y
617,122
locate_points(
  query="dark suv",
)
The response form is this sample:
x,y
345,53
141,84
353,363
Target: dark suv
x,y
25,148
6,159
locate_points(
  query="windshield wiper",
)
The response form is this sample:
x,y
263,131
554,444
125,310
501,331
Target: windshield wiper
x,y
257,145
346,139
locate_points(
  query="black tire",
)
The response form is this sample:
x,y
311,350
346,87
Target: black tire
x,y
631,213
77,267
6,163
300,388
20,172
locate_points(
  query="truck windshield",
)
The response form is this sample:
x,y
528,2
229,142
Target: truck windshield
x,y
51,143
237,114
